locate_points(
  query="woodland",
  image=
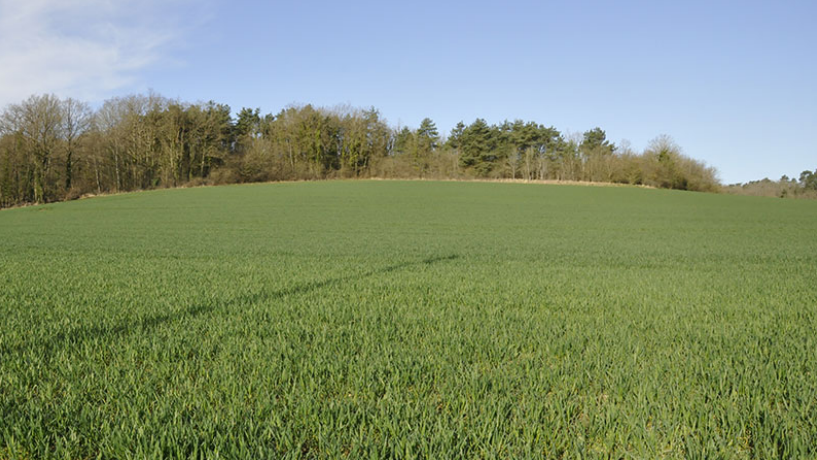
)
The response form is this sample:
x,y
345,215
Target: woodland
x,y
54,149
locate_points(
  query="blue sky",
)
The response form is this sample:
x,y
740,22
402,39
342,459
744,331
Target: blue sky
x,y
734,83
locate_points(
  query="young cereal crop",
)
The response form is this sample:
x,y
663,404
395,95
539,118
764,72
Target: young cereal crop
x,y
409,319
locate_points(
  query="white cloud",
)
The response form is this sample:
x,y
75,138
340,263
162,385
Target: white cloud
x,y
86,49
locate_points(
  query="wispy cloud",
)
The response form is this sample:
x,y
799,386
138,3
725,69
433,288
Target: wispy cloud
x,y
87,49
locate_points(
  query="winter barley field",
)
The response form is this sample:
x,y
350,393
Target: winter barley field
x,y
384,319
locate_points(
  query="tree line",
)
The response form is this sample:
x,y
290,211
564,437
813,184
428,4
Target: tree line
x,y
55,149
805,186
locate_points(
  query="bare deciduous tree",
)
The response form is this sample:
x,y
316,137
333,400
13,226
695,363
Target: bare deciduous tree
x,y
76,119
38,122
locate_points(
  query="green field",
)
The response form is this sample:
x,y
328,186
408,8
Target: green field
x,y
409,319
